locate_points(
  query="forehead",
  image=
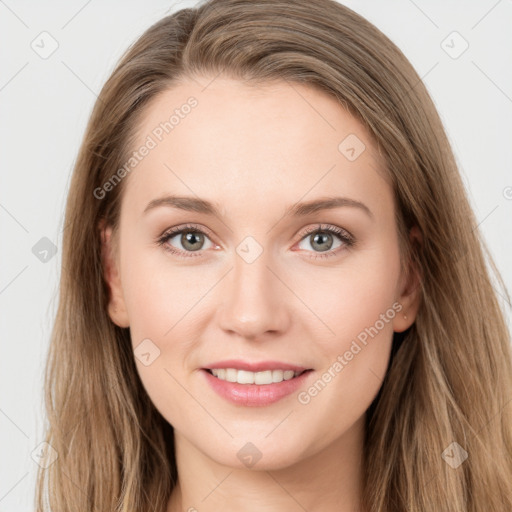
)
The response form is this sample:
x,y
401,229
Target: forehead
x,y
229,142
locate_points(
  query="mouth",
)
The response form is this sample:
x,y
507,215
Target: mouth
x,y
251,389
263,378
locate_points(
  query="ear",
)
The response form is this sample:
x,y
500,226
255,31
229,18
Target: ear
x,y
109,257
409,291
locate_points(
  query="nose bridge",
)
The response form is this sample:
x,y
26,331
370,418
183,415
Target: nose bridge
x,y
252,302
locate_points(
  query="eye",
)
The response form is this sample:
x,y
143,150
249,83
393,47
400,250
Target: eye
x,y
321,239
191,239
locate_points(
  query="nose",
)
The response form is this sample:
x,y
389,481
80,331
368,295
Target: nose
x,y
255,300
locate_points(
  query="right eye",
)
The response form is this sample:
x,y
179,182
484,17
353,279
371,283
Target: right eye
x,y
191,239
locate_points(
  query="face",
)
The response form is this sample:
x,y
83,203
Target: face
x,y
262,278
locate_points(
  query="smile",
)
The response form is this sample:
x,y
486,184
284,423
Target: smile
x,y
246,377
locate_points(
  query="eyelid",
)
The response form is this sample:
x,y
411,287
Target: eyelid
x,y
186,227
330,228
176,230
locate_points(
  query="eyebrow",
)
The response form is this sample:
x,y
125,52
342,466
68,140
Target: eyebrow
x,y
194,204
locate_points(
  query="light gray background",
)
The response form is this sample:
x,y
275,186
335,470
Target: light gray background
x,y
45,104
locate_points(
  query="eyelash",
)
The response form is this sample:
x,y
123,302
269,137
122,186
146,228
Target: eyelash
x,y
347,239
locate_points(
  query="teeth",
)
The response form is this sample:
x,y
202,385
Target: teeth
x,y
245,377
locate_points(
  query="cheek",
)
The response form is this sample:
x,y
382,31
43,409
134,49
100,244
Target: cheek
x,y
357,302
161,299
159,293
360,311
352,296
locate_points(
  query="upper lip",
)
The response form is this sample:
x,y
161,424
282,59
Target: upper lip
x,y
254,366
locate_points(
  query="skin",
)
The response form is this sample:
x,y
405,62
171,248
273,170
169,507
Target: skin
x,y
254,152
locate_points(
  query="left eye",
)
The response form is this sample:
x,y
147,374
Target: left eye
x,y
321,239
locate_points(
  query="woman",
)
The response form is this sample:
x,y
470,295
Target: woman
x,y
259,369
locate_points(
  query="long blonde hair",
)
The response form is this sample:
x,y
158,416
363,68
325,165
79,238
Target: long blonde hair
x,y
450,376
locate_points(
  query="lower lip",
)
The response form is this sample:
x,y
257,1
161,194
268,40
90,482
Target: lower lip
x,y
255,395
